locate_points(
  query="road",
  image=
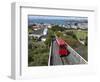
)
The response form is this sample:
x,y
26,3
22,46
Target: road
x,y
72,59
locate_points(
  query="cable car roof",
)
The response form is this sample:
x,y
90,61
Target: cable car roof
x,y
60,41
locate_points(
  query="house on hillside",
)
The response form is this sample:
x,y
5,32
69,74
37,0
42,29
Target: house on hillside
x,y
39,33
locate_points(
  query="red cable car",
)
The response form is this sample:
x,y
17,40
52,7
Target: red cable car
x,y
63,51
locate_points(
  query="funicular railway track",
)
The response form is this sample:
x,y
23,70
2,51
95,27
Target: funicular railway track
x,y
63,51
73,58
56,57
64,61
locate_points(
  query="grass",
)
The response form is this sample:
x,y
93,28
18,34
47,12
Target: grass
x,y
75,44
81,34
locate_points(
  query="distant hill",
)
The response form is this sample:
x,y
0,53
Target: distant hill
x,y
51,21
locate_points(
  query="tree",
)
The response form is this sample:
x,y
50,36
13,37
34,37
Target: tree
x,y
59,34
86,41
71,33
57,28
30,45
48,41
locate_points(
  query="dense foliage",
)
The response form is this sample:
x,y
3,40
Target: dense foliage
x,y
38,53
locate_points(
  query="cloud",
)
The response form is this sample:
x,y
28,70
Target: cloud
x,y
30,17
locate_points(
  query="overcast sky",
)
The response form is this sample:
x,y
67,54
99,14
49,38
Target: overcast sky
x,y
30,17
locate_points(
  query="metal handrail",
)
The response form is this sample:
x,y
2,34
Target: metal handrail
x,y
50,55
77,54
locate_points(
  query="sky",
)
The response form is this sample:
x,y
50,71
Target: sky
x,y
56,17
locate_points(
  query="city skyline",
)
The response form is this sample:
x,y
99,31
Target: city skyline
x,y
60,20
